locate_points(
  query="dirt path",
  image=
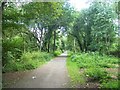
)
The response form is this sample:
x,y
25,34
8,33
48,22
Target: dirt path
x,y
51,75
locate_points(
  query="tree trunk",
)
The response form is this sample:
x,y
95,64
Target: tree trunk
x,y
48,47
49,37
41,39
80,45
74,46
77,38
54,45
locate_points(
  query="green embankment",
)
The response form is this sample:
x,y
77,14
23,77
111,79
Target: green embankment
x,y
92,66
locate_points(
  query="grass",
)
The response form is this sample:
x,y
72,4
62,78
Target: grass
x,y
28,61
94,66
75,75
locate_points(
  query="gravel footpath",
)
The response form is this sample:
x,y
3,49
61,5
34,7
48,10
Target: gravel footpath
x,y
51,75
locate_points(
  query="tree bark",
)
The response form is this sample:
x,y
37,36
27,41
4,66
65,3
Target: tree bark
x,y
54,45
80,45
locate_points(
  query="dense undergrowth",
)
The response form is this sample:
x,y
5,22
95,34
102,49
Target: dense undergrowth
x,y
28,60
90,67
57,53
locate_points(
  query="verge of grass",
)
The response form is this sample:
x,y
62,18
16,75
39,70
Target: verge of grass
x,y
74,73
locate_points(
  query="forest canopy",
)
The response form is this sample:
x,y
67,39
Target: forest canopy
x,y
54,27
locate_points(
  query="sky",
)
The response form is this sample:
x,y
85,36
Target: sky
x,y
79,4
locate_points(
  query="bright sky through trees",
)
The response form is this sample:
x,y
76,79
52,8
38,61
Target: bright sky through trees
x,y
79,4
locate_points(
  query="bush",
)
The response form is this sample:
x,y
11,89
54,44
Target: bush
x,y
94,66
57,53
87,60
12,66
111,84
12,47
40,56
74,58
27,61
70,53
96,73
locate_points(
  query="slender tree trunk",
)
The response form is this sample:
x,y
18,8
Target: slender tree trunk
x,y
41,40
3,5
80,45
54,45
49,37
48,47
85,46
50,30
74,46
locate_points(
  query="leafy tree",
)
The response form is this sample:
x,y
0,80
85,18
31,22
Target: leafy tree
x,y
33,26
94,29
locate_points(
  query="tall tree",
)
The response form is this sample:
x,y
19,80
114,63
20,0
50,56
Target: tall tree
x,y
94,29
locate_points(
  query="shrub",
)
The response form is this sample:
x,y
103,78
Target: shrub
x,y
12,66
74,58
111,84
40,56
93,65
27,61
57,53
12,48
70,53
96,73
86,60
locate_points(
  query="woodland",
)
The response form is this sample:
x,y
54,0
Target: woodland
x,y
35,32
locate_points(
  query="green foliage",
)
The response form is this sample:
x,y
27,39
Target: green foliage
x,y
93,66
31,27
70,53
41,56
57,53
94,29
54,16
114,84
12,48
74,73
96,73
27,61
87,60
